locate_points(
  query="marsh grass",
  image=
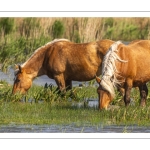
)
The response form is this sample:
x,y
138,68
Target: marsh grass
x,y
43,105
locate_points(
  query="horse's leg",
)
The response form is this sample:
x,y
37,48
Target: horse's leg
x,y
60,82
69,87
121,91
128,87
143,94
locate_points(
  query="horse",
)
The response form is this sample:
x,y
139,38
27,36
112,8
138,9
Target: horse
x,y
64,61
124,66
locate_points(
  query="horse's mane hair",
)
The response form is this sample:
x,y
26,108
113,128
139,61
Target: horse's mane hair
x,y
56,40
109,70
40,48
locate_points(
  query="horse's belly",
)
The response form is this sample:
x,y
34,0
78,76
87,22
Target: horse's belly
x,y
140,82
82,78
83,75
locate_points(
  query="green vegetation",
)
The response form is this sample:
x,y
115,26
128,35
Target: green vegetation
x,y
20,37
58,29
45,106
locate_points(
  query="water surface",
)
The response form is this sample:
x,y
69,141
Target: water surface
x,y
72,129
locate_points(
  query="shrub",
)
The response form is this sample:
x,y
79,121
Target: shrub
x,y
58,29
6,25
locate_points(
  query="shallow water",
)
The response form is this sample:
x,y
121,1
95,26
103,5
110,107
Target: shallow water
x,y
72,129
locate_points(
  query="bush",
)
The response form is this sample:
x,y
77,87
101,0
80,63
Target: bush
x,y
6,25
58,29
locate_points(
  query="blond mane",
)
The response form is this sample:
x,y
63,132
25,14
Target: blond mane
x,y
109,70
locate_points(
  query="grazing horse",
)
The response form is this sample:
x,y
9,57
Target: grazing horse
x,y
125,66
63,61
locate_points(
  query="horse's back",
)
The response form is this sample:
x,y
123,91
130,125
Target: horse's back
x,y
141,43
136,48
138,57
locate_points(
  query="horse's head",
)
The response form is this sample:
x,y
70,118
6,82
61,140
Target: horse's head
x,y
22,80
104,96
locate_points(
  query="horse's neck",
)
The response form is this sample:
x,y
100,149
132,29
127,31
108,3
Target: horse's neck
x,y
35,64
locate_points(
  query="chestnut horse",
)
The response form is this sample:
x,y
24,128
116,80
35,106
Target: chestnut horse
x,y
125,66
63,61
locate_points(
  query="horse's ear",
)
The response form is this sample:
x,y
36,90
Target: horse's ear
x,y
16,67
98,79
19,67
